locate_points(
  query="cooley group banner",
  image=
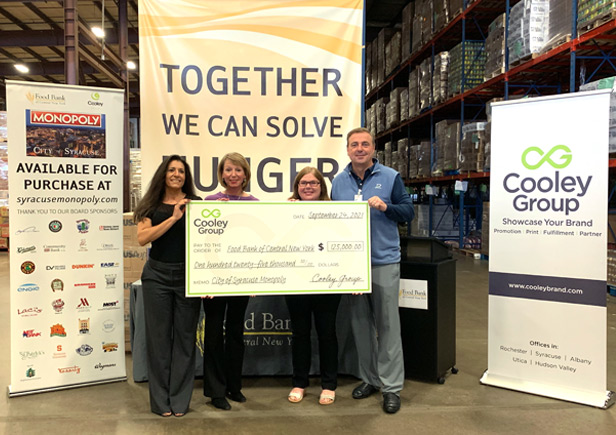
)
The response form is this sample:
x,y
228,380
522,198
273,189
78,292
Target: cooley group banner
x,y
278,81
548,223
65,202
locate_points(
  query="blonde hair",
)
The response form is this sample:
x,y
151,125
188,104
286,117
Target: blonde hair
x,y
236,159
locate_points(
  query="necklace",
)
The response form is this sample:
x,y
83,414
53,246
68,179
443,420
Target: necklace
x,y
232,197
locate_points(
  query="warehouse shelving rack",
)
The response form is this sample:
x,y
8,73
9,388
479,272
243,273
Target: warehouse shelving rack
x,y
553,71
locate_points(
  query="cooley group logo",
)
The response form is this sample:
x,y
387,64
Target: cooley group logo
x,y
545,194
209,225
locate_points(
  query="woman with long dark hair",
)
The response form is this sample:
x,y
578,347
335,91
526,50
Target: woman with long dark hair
x,y
309,185
170,317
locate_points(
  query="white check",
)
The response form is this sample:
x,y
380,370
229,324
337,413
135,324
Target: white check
x,y
273,248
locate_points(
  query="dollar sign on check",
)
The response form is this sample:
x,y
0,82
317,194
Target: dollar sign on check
x,y
321,246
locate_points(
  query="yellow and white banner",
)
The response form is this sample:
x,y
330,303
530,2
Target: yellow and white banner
x,y
65,185
277,81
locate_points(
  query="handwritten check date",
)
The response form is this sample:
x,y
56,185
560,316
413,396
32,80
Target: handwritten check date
x,y
277,248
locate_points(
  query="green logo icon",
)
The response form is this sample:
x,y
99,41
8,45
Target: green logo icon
x,y
565,158
95,96
210,213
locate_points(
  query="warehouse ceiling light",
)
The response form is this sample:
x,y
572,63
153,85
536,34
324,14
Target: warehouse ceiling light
x,y
98,32
22,68
131,65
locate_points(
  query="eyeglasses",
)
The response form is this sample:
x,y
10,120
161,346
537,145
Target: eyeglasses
x,y
309,183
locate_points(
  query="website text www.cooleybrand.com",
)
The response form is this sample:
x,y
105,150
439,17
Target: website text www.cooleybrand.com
x,y
81,200
547,288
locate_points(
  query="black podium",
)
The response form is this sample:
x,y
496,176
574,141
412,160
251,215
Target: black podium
x,y
429,335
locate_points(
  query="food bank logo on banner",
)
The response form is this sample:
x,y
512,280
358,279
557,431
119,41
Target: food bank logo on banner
x,y
545,194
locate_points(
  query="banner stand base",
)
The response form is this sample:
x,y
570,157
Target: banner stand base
x,y
11,394
598,399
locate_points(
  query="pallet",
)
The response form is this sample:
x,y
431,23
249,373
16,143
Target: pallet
x,y
475,253
495,73
562,40
523,59
598,22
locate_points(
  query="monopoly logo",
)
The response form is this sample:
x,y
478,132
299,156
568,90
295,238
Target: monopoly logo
x,y
28,288
85,284
27,267
29,312
54,248
23,250
110,347
108,227
84,350
83,266
210,224
37,98
65,119
72,369
56,267
30,333
553,192
106,265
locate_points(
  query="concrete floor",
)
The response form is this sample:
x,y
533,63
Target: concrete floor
x,y
460,406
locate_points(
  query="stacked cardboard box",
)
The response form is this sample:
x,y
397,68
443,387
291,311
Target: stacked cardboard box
x,y
135,177
451,146
379,108
485,229
425,85
382,39
590,11
528,27
472,60
424,157
413,93
455,8
407,25
135,257
422,24
404,104
369,68
607,83
387,154
441,14
472,147
392,109
444,147
495,47
392,53
403,150
560,16
413,161
4,227
440,77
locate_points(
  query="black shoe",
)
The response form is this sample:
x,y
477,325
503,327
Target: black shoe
x,y
236,397
391,403
221,403
364,390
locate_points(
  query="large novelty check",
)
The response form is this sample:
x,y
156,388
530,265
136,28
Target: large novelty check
x,y
273,248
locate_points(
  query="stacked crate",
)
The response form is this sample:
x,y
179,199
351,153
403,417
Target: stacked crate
x,y
425,84
466,59
591,12
528,27
440,77
413,93
472,147
495,47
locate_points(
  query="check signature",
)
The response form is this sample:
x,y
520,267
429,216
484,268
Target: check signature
x,y
31,229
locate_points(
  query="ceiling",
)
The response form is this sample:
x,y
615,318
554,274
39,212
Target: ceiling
x,y
32,33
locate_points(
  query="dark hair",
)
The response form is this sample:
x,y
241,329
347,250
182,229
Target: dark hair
x,y
156,190
314,171
238,160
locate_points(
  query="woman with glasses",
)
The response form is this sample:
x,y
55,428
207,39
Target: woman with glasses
x,y
309,185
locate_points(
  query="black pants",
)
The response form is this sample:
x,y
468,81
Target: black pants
x,y
324,308
170,331
223,350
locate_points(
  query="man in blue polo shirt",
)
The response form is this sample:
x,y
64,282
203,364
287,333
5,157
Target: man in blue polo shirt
x,y
374,317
